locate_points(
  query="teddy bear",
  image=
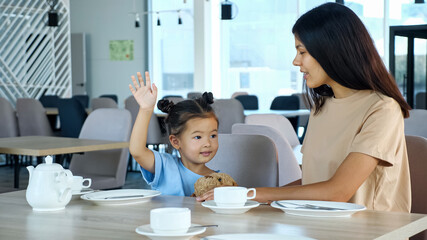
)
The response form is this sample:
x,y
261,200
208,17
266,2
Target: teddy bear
x,y
211,181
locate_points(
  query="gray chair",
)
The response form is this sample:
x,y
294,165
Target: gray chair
x,y
416,123
235,94
9,123
194,95
417,152
229,112
250,159
107,168
103,102
282,125
32,119
288,167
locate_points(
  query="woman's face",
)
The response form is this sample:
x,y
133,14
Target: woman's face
x,y
314,74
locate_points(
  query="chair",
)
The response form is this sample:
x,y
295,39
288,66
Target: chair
x,y
416,123
72,115
83,99
417,152
51,101
420,100
249,159
228,112
103,103
107,168
249,102
287,103
194,95
112,96
303,120
288,167
235,94
8,120
32,119
281,124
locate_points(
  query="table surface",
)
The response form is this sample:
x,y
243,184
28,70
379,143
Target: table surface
x,y
84,220
286,113
43,145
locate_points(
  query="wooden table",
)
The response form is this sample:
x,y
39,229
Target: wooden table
x,y
54,111
286,113
43,146
83,220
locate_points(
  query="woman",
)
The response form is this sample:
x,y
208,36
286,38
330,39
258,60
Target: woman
x,y
355,149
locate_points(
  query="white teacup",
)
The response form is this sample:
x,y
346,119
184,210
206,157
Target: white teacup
x,y
79,183
170,220
232,196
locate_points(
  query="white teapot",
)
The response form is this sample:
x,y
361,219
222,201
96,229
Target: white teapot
x,y
49,186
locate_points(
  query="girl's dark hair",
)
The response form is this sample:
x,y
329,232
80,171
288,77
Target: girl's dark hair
x,y
181,112
338,40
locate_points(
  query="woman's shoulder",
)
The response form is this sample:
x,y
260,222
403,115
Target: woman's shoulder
x,y
380,100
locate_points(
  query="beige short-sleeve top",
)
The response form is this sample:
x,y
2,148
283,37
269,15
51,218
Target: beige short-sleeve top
x,y
365,122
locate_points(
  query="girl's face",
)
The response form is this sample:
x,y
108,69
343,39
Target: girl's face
x,y
314,74
198,143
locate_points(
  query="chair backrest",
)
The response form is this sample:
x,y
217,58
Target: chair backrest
x,y
417,156
49,100
285,103
155,135
32,119
194,95
249,102
103,103
235,94
228,112
289,169
278,122
112,96
104,124
420,100
72,115
9,123
250,159
83,99
416,123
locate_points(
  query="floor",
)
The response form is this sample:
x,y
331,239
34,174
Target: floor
x,y
134,179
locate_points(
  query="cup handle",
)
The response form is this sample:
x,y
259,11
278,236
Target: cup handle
x,y
89,182
254,193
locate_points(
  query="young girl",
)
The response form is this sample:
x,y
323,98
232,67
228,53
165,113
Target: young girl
x,y
354,149
193,132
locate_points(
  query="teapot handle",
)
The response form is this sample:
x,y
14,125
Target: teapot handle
x,y
64,194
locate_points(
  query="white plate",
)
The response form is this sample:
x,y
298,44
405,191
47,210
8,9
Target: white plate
x,y
83,191
291,208
147,231
120,196
255,236
230,210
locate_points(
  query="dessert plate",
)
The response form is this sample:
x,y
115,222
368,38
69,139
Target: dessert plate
x,y
83,191
255,236
147,231
120,196
317,208
230,210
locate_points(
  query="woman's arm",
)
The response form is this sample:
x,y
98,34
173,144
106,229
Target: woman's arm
x,y
349,176
146,97
354,170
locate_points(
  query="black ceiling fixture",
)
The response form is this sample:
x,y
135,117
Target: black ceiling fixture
x,y
52,14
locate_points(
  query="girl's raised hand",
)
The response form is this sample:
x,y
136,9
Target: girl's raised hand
x,y
144,94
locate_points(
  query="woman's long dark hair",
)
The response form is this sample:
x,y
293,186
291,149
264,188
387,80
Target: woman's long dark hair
x,y
338,40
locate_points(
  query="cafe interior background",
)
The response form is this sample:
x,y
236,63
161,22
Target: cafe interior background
x,y
94,46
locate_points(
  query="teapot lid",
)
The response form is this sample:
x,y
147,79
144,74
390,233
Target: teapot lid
x,y
49,166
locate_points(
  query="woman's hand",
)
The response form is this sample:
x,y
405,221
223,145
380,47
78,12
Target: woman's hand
x,y
207,196
145,95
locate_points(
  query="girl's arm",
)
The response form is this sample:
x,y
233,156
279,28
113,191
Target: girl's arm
x,y
145,95
354,170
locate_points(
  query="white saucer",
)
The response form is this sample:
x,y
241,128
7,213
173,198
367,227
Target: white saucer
x,y
120,196
230,210
83,191
147,231
344,209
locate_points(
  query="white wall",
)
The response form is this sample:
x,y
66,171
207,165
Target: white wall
x,y
103,21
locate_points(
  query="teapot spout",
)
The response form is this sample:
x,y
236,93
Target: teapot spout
x,y
30,170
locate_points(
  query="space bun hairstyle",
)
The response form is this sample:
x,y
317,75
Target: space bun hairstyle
x,y
180,113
